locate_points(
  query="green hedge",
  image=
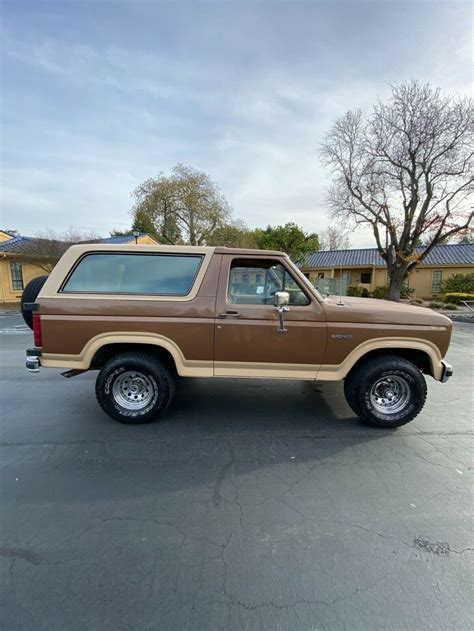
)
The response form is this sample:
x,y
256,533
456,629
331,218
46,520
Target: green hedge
x,y
456,297
458,283
354,290
380,293
357,291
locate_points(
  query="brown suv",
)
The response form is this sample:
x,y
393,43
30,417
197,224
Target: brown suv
x,y
142,315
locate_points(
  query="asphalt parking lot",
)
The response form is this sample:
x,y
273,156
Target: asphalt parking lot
x,y
251,505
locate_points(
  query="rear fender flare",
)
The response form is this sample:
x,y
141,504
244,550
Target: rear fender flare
x,y
185,367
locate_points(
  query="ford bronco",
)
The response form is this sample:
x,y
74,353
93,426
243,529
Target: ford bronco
x,y
142,315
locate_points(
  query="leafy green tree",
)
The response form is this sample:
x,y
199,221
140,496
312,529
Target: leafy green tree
x,y
185,206
142,223
235,234
289,238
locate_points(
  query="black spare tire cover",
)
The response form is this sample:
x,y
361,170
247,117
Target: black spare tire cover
x,y
30,293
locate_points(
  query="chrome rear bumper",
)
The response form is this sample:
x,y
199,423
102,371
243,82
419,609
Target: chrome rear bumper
x,y
33,359
447,372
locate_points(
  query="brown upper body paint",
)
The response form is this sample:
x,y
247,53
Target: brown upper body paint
x,y
205,332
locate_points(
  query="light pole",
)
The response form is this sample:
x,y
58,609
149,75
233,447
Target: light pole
x,y
136,234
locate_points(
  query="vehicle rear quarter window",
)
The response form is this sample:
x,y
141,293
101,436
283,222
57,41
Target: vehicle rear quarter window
x,y
120,273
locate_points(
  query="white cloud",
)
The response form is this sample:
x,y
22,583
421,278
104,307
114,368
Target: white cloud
x,y
87,119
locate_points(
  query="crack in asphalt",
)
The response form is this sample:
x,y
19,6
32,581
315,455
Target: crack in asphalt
x,y
20,553
216,494
304,601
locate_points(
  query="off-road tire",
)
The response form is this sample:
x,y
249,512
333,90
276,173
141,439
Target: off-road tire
x,y
30,293
360,381
157,374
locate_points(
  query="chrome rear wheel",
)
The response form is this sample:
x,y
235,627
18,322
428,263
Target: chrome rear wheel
x,y
135,386
132,390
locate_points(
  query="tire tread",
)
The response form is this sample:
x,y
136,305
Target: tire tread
x,y
141,360
354,385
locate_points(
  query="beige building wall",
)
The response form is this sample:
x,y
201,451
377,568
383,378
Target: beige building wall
x,y
4,236
147,240
7,293
421,280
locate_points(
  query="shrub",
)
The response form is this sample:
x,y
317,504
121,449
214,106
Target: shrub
x,y
405,291
437,305
365,292
354,290
450,307
416,301
455,298
380,292
459,283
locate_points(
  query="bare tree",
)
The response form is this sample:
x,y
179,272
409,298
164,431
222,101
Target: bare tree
x,y
334,238
405,170
185,205
47,247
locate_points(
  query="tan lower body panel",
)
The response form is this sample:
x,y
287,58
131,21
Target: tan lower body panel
x,y
265,370
206,368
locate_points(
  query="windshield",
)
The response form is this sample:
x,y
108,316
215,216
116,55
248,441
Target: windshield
x,y
306,281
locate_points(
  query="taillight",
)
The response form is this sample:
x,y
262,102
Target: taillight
x,y
37,330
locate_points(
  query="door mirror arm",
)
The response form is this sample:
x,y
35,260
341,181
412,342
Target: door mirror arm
x,y
281,311
281,301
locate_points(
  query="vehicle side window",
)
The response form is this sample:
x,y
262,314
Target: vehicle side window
x,y
120,273
254,282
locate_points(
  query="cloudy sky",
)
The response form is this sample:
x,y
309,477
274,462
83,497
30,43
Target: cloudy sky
x,y
98,96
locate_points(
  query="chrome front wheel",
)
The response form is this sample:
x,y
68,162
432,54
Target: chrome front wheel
x,y
385,390
390,394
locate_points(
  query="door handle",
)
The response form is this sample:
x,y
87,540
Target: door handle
x,y
229,314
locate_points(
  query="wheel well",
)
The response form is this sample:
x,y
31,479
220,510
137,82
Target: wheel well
x,y
106,352
421,359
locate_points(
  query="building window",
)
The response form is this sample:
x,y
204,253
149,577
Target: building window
x,y
436,282
320,274
17,275
366,278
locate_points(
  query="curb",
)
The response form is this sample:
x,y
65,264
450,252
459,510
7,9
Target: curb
x,y
460,317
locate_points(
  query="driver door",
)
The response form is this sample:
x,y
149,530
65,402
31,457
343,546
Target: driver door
x,y
247,342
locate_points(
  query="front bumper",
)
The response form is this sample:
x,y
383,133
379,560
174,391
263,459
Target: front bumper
x,y
33,359
447,371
